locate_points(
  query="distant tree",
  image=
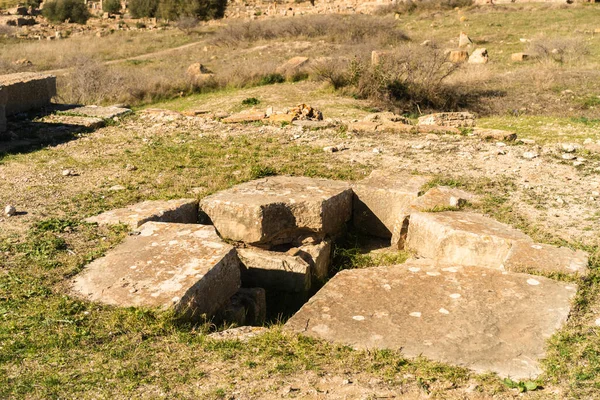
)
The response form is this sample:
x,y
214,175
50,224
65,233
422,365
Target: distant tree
x,y
200,9
143,8
61,10
111,6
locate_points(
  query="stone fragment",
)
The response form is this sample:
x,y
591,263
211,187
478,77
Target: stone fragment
x,y
247,307
181,210
530,155
198,72
482,319
464,40
458,56
385,117
278,209
306,112
519,57
495,134
9,210
363,126
479,56
382,199
27,91
461,238
292,66
451,119
288,271
242,333
282,118
186,267
334,149
530,257
245,116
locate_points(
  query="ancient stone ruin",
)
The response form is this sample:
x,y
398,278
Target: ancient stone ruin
x,y
471,295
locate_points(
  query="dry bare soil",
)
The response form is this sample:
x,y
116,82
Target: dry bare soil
x,y
55,346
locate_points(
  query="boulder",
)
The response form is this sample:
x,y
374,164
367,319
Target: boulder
x,y
186,267
464,40
384,198
519,57
279,209
292,66
180,210
448,119
198,72
479,56
477,318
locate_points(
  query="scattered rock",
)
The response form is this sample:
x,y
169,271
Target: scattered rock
x,y
458,56
116,188
245,116
530,155
479,56
519,57
130,167
198,72
9,211
449,119
495,134
334,149
68,172
292,66
464,40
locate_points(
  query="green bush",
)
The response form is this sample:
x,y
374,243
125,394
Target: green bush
x,y
200,9
143,8
111,6
61,10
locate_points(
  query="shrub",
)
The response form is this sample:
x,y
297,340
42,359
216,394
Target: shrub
x,y
562,50
111,6
271,79
250,101
200,9
61,10
143,8
413,6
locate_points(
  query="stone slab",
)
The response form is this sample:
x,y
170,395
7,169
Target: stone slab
x,y
381,198
461,238
87,123
482,319
495,134
246,116
292,66
27,91
278,209
528,257
182,266
451,119
179,210
109,112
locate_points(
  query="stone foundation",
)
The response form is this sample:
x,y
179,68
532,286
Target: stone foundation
x,y
27,91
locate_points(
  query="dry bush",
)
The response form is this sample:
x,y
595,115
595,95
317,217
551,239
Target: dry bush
x,y
89,82
559,49
333,70
411,77
335,28
413,6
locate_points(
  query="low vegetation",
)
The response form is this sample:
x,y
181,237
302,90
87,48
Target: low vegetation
x,y
58,11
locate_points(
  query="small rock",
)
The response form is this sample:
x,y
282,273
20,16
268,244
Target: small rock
x,y
577,163
10,210
334,149
130,167
530,155
568,157
500,144
376,151
116,188
569,147
526,141
68,172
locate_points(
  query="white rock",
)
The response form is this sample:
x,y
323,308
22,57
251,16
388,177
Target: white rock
x,y
10,210
569,147
568,156
530,155
68,172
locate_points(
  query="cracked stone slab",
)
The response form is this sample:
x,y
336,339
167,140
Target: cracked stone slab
x,y
181,266
381,198
279,209
109,112
470,239
179,210
90,123
482,319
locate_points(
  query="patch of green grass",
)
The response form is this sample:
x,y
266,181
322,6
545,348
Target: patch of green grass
x,y
250,101
271,79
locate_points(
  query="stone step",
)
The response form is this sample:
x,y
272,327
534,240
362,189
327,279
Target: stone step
x,y
470,239
179,210
181,266
279,209
482,319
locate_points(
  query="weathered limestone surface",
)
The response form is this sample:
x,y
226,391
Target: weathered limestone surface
x,y
245,116
292,65
483,319
278,209
3,99
75,121
525,256
442,196
382,199
495,134
27,91
462,238
183,266
452,119
180,210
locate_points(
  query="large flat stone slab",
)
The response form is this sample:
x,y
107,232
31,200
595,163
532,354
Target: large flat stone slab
x,y
182,266
27,91
93,111
482,319
179,210
278,209
382,199
470,239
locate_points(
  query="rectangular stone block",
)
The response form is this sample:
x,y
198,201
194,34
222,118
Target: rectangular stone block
x,y
482,319
449,119
180,210
27,91
181,266
279,209
382,198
